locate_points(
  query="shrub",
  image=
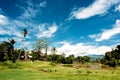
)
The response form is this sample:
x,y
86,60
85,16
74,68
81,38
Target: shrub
x,y
88,72
112,62
68,65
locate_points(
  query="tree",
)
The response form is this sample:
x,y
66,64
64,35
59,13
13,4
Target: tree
x,y
79,59
112,58
45,45
25,32
12,42
70,59
117,51
103,60
112,62
118,47
41,48
3,51
7,50
86,58
108,56
54,51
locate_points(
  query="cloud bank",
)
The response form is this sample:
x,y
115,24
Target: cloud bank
x,y
98,7
80,49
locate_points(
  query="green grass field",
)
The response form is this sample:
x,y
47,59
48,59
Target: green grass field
x,y
49,71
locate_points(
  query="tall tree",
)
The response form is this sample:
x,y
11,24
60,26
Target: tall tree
x,y
39,45
3,51
25,32
42,44
12,42
54,51
112,58
45,45
7,50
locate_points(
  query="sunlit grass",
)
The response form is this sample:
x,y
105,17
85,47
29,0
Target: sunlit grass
x,y
40,70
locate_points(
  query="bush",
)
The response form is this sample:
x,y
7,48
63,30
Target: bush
x,y
88,72
112,62
68,65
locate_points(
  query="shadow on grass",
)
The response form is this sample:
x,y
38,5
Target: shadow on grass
x,y
10,65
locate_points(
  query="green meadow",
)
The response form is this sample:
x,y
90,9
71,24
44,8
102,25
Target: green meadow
x,y
40,70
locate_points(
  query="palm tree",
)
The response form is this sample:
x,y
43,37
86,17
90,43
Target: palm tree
x,y
25,32
12,41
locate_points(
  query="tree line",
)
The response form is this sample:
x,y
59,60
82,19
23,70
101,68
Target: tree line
x,y
7,52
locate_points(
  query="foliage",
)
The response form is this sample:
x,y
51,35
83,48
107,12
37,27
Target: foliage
x,y
41,44
83,59
54,51
112,58
67,60
7,51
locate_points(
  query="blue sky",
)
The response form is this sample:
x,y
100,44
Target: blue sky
x,y
79,27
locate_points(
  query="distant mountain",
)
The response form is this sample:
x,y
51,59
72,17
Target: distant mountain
x,y
94,57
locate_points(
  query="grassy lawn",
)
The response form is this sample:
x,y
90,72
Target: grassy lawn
x,y
49,71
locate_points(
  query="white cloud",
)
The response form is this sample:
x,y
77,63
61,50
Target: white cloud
x,y
63,42
10,27
80,49
13,28
117,8
29,12
107,34
31,9
3,31
46,30
19,23
3,19
98,7
43,4
10,31
24,44
93,36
